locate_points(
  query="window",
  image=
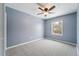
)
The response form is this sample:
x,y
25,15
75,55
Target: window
x,y
57,28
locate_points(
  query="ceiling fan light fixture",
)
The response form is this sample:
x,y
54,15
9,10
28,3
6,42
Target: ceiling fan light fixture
x,y
46,13
45,10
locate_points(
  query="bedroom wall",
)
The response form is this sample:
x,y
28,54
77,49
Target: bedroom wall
x,y
1,29
78,31
22,27
69,26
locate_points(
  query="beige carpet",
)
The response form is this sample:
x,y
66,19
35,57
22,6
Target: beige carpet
x,y
43,47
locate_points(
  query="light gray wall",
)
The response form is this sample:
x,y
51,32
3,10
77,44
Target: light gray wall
x,y
22,27
78,30
1,29
69,34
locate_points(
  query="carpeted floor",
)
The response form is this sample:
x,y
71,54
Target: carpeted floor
x,y
43,47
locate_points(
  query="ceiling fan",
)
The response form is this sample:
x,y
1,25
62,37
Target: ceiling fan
x,y
45,10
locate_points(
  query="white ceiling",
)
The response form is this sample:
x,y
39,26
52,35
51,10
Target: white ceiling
x,y
32,8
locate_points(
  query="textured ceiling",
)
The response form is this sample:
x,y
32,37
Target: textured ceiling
x,y
32,8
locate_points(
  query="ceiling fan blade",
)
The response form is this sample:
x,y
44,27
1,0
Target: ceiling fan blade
x,y
39,13
41,5
51,8
40,9
51,12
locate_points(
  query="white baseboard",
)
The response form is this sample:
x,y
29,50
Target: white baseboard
x,y
74,44
23,43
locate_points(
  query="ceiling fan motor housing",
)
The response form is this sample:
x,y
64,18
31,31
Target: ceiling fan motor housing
x,y
46,9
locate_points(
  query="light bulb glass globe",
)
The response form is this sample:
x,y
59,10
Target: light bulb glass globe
x,y
46,13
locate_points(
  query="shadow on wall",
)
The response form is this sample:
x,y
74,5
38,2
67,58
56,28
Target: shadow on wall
x,y
1,29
